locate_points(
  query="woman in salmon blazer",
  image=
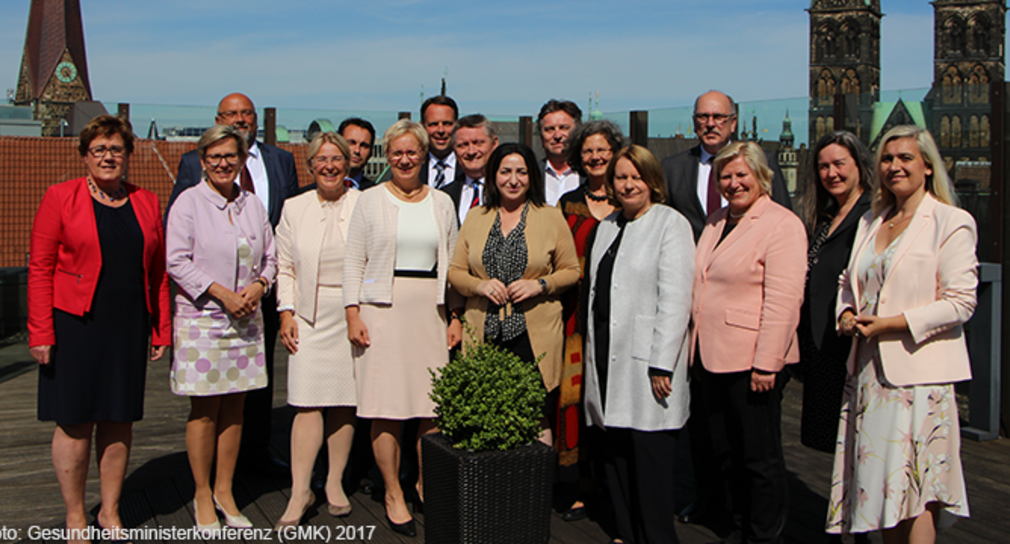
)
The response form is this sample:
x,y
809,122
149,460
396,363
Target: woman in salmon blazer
x,y
908,289
748,287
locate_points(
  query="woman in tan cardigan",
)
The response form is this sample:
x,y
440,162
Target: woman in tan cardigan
x,y
513,259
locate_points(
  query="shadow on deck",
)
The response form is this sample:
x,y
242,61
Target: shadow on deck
x,y
158,490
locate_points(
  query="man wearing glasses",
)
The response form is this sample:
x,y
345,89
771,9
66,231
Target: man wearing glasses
x,y
687,174
270,173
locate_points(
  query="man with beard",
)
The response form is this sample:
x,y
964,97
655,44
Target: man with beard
x,y
270,173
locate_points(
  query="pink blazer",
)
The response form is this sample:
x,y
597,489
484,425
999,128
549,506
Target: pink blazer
x,y
748,290
931,280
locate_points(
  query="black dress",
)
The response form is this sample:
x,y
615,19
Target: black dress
x,y
99,362
823,352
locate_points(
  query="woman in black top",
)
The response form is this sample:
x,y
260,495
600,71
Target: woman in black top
x,y
837,195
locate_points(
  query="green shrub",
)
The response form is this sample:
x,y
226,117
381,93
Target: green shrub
x,y
488,399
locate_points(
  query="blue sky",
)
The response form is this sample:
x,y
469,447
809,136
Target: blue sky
x,y
502,58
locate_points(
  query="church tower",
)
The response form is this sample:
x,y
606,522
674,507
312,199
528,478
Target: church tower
x,y
968,38
787,154
844,58
54,67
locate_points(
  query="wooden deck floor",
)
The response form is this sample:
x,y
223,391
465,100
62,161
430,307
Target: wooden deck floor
x,y
158,490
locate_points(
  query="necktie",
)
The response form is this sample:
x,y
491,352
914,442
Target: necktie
x,y
440,175
349,183
714,199
476,194
245,180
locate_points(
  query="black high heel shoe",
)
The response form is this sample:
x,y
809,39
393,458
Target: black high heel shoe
x,y
406,528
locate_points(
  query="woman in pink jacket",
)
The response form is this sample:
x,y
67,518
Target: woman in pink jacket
x,y
220,254
908,289
748,287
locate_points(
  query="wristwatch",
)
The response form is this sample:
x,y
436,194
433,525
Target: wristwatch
x,y
543,285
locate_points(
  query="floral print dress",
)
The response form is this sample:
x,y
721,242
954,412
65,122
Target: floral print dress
x,y
898,448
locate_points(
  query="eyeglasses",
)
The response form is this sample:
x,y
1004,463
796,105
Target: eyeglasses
x,y
601,151
216,159
335,159
412,154
231,114
99,152
718,118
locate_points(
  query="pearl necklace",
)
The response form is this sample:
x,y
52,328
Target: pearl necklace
x,y
102,195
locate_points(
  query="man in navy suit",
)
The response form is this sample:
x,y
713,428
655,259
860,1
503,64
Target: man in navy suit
x,y
438,117
473,139
270,173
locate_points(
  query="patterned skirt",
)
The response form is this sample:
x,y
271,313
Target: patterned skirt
x,y
898,450
216,354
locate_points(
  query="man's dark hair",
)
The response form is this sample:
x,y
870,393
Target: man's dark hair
x,y
358,122
554,105
440,100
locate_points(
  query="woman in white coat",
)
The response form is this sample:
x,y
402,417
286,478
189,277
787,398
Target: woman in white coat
x,y
638,298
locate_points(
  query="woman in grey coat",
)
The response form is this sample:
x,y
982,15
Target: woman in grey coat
x,y
640,270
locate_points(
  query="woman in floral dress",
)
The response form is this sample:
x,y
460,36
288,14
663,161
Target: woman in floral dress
x,y
909,288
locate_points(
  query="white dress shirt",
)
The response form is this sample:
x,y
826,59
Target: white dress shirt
x,y
557,183
466,196
258,172
450,169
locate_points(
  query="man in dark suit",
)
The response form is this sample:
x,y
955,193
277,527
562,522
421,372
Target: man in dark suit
x,y
557,119
686,173
270,173
360,136
692,193
473,140
438,117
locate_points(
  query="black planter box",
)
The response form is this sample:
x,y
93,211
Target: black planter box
x,y
491,497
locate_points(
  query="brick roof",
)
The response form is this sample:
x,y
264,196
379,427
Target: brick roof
x,y
28,166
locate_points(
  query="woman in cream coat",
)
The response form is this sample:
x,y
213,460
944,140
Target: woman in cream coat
x,y
310,261
638,287
909,288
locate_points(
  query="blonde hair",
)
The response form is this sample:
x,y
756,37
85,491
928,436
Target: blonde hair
x,y
402,127
753,156
326,138
218,133
938,183
648,167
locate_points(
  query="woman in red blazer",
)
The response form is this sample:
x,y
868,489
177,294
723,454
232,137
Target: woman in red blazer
x,y
96,280
748,287
908,289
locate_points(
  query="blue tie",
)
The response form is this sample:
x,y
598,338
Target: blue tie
x,y
440,176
